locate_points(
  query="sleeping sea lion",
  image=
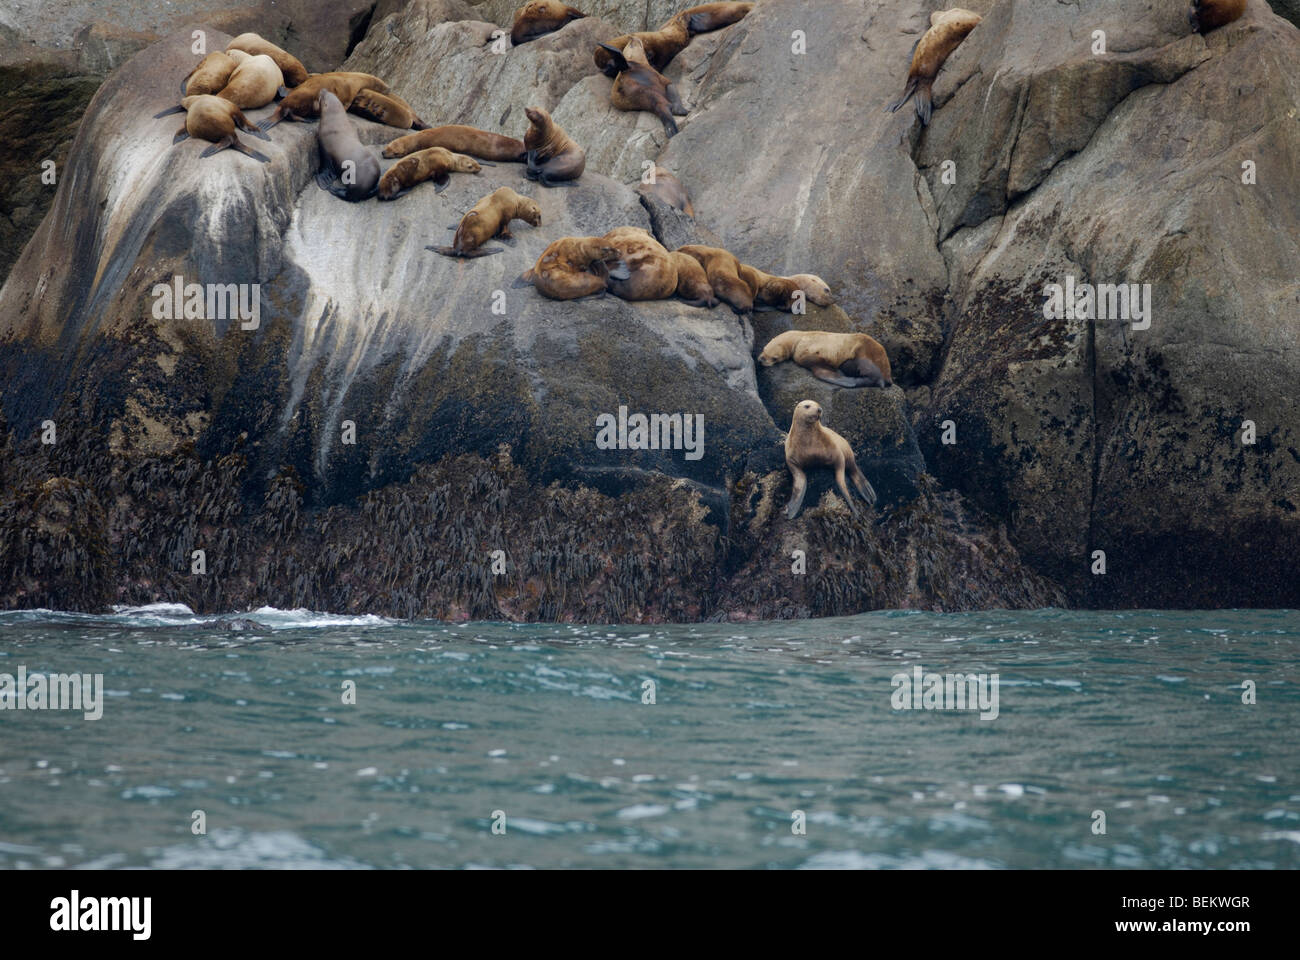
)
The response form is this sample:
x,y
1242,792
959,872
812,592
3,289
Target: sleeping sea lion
x,y
844,359
436,164
948,28
574,267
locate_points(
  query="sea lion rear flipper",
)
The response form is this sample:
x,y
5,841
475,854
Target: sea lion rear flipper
x,y
546,181
280,114
181,134
620,271
245,124
923,103
325,179
670,125
796,496
524,279
907,95
486,163
281,92
419,125
226,141
618,61
863,486
248,151
675,105
169,111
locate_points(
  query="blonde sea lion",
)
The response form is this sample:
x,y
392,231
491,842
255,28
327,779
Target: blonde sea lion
x,y
255,83
208,117
386,108
660,45
723,271
948,28
553,159
652,275
300,102
575,267
540,17
460,139
692,282
1207,15
808,445
210,75
639,86
489,218
844,359
292,68
436,164
775,292
670,190
349,169
714,16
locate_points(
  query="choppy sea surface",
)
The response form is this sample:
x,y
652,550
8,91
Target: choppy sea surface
x,y
768,745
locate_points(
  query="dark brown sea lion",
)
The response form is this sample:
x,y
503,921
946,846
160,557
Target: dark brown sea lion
x,y
844,359
436,164
574,267
639,86
670,190
948,28
651,272
553,159
809,445
714,16
461,139
208,117
540,17
349,169
300,103
489,218
660,45
292,68
387,108
1207,15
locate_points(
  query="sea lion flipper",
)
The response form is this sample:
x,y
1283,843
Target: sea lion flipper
x,y
181,134
620,271
546,181
863,486
281,92
525,279
617,59
280,114
248,151
169,111
217,147
486,163
923,105
907,95
796,497
325,179
419,125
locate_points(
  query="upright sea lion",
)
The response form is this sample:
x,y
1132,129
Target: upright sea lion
x,y
300,103
460,139
436,164
651,273
216,119
714,16
386,108
660,45
844,359
540,17
1207,15
670,190
211,74
349,169
255,83
948,28
552,156
574,267
640,86
489,218
723,271
692,282
809,444
292,68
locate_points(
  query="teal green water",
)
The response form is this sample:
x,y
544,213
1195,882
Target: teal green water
x,y
1137,714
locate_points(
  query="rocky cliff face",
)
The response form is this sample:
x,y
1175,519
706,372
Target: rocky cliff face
x,y
395,418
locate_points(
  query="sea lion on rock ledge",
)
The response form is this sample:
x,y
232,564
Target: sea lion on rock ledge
x,y
844,359
436,164
292,68
660,45
1207,15
349,169
640,86
574,267
537,18
948,28
216,119
553,158
489,218
808,445
460,139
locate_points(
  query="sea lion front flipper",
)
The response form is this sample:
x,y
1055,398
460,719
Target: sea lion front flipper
x,y
227,141
326,180
675,104
169,111
546,181
280,114
445,251
185,82
441,181
907,95
844,489
181,134
620,271
281,92
670,125
486,163
616,56
506,237
923,102
796,497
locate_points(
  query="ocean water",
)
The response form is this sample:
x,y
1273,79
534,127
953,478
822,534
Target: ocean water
x,y
755,730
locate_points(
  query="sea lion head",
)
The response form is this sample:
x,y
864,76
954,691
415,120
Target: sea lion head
x,y
815,288
634,51
464,164
807,412
537,117
528,211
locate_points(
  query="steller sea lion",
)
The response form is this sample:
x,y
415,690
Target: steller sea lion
x,y
692,282
723,271
948,28
348,169
714,16
300,103
540,17
460,139
809,444
213,118
292,68
489,218
211,74
435,163
553,159
1207,15
660,46
773,292
844,359
574,267
639,86
651,273
387,108
670,190
254,83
